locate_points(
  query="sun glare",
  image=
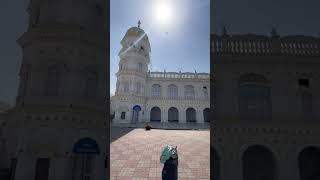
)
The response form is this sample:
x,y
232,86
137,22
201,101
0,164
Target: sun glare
x,y
163,12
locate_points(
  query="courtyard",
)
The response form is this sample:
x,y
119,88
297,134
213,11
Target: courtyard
x,y
135,153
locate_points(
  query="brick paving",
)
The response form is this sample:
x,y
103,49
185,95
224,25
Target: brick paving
x,y
136,155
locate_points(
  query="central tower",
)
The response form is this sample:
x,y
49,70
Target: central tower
x,y
131,76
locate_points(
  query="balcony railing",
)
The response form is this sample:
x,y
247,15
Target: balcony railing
x,y
179,75
264,45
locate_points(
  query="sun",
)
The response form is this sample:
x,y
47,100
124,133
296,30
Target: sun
x,y
163,12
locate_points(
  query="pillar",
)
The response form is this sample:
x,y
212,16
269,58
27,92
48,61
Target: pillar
x,y
182,115
199,116
164,115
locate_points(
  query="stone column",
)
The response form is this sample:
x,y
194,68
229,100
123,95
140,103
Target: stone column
x,y
164,115
182,115
129,116
147,115
199,116
117,116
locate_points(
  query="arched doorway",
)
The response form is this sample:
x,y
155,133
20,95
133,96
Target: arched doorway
x,y
191,115
173,114
258,163
155,114
206,115
135,113
216,164
309,164
84,152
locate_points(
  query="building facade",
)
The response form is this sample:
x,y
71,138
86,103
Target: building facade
x,y
267,95
57,128
145,96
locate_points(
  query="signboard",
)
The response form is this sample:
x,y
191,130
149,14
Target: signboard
x,y
136,108
86,146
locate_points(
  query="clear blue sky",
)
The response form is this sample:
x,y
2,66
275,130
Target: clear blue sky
x,y
181,44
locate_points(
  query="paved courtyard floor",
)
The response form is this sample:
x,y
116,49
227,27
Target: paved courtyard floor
x,y
135,154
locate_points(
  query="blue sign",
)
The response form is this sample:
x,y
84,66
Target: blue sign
x,y
136,108
86,146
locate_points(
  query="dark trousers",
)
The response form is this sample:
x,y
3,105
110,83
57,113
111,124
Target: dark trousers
x,y
170,170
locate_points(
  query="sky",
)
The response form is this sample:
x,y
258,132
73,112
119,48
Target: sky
x,y
180,42
240,16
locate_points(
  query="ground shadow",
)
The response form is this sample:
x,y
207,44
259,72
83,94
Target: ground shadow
x,y
117,132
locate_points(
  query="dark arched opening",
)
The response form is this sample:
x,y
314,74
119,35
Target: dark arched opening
x,y
258,163
173,114
155,114
309,164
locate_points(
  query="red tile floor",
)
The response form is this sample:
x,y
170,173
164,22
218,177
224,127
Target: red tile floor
x,y
136,155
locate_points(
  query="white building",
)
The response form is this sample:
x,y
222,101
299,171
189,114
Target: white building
x,y
144,96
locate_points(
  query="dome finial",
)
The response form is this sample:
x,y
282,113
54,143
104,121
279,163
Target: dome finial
x,y
139,23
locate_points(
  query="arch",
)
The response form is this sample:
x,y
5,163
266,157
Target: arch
x,y
258,162
86,146
156,90
173,114
309,163
172,91
206,115
84,151
135,113
254,97
189,92
155,114
191,115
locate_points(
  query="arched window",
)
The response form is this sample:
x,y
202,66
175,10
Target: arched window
x,y
126,87
254,97
173,114
189,92
91,85
138,86
191,115
53,81
155,114
258,162
156,90
172,91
